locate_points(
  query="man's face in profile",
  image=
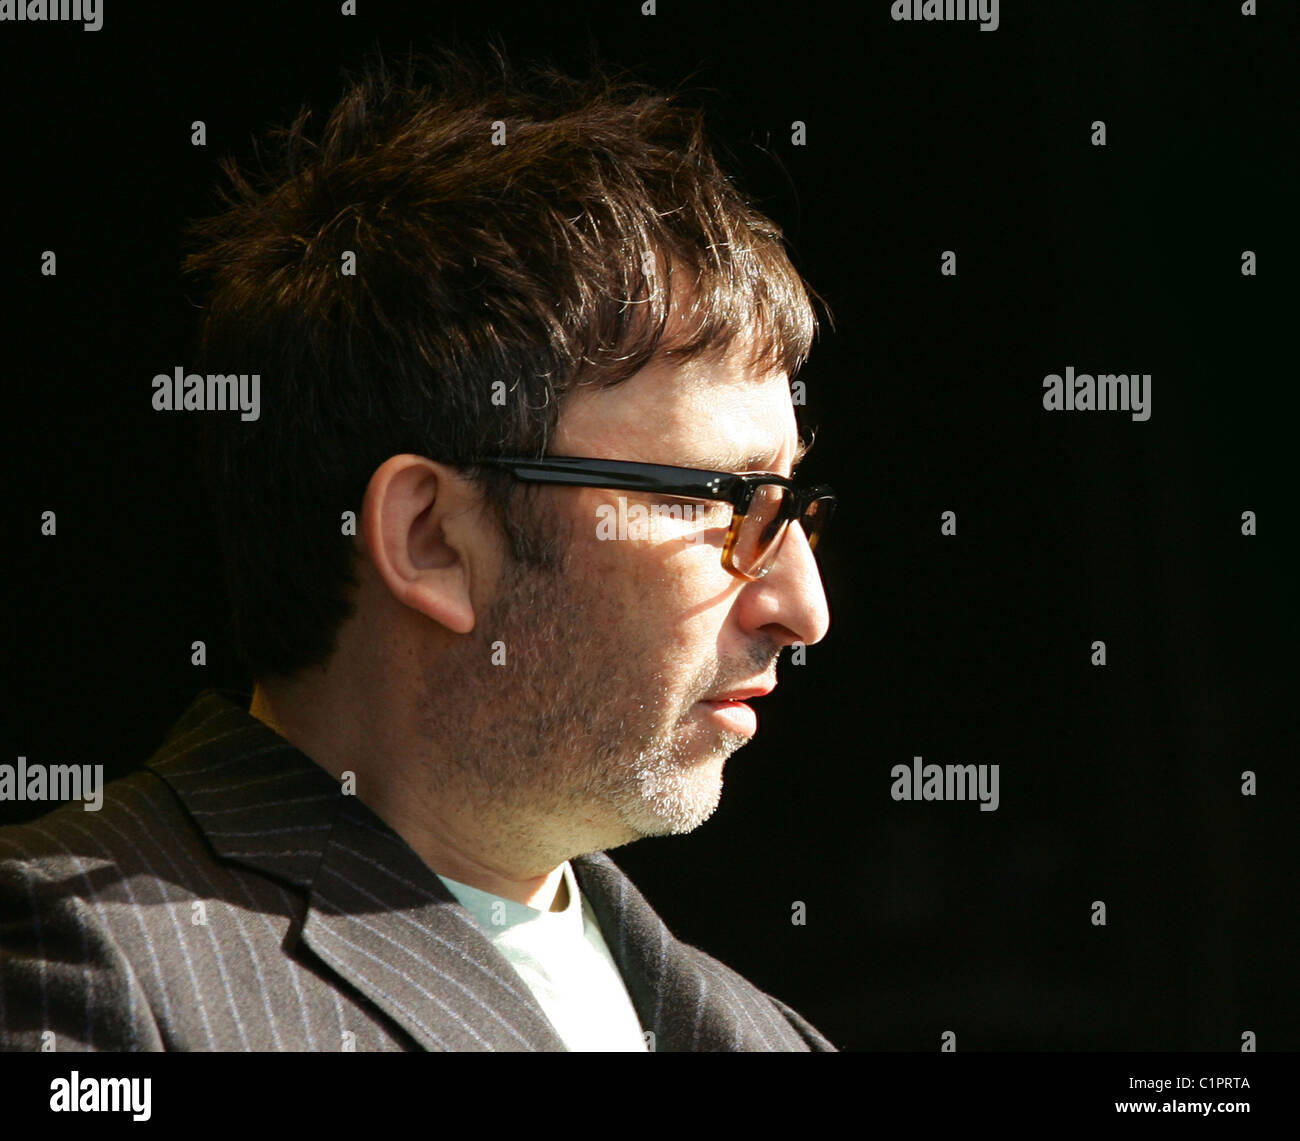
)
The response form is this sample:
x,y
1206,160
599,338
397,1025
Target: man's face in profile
x,y
598,724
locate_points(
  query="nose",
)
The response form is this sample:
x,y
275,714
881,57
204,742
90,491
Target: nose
x,y
789,603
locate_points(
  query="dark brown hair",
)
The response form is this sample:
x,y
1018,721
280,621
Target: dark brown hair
x,y
475,262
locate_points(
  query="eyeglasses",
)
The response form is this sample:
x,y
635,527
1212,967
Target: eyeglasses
x,y
762,504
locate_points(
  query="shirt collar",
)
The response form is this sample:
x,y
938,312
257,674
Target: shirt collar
x,y
496,914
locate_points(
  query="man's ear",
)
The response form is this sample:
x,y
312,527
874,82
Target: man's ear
x,y
423,530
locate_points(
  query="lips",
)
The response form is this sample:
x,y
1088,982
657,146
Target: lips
x,y
742,694
729,711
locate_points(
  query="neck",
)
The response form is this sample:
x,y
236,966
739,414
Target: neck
x,y
455,830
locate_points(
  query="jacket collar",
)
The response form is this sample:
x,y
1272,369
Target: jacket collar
x,y
376,915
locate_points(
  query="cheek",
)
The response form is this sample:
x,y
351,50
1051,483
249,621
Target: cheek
x,y
672,617
639,557
669,598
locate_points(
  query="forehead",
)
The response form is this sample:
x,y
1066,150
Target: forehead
x,y
713,412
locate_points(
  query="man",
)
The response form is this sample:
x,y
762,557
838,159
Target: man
x,y
503,596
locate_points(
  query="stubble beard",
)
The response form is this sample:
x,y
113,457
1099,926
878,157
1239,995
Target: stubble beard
x,y
570,743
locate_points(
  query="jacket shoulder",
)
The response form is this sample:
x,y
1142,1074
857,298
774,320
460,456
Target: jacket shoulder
x,y
73,884
134,809
692,1001
748,1000
65,981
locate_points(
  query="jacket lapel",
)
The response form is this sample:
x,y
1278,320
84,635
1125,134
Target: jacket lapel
x,y
387,924
690,1001
376,915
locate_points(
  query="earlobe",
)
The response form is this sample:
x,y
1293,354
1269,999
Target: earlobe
x,y
420,538
453,610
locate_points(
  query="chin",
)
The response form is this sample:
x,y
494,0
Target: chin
x,y
676,807
644,828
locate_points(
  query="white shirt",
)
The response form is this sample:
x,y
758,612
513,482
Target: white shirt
x,y
563,958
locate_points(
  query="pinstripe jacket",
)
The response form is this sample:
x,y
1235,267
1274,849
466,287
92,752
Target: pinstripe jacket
x,y
229,896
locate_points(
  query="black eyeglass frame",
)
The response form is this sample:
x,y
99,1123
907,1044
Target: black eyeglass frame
x,y
735,488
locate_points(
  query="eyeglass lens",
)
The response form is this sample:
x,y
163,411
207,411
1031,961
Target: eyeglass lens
x,y
770,512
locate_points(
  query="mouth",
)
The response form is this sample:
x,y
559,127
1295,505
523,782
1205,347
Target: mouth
x,y
741,694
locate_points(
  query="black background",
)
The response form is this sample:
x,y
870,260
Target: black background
x,y
1119,784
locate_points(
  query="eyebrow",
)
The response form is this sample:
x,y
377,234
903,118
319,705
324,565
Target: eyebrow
x,y
754,461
